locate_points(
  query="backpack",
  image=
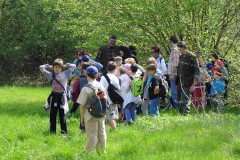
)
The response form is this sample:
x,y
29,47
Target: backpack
x,y
113,92
163,88
96,104
137,86
67,90
76,89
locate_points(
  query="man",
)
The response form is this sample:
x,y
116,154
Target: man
x,y
95,127
161,65
106,53
172,69
187,77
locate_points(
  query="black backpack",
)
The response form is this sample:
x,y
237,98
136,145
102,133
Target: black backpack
x,y
96,104
114,93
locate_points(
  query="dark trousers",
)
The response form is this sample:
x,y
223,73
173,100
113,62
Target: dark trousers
x,y
62,117
74,107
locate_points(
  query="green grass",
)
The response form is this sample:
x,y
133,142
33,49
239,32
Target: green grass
x,y
24,133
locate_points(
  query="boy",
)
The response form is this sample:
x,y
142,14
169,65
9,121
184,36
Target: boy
x,y
118,61
130,101
153,90
112,112
95,127
82,83
58,98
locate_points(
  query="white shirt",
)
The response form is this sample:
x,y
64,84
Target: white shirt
x,y
113,80
161,65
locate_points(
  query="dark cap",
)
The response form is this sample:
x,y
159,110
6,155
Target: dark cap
x,y
85,58
92,71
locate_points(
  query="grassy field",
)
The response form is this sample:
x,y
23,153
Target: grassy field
x,y
24,133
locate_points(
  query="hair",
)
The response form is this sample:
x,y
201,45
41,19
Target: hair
x,y
125,50
152,67
93,77
156,49
58,62
85,65
130,60
151,60
173,39
111,66
133,50
214,55
82,51
134,68
182,44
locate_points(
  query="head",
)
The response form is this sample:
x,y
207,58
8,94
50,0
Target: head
x,y
127,66
134,68
85,65
118,61
124,51
111,66
155,51
85,58
112,41
92,72
173,40
151,69
81,52
133,50
182,47
214,56
209,65
151,60
57,65
130,60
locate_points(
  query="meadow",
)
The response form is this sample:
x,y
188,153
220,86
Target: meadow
x,y
24,133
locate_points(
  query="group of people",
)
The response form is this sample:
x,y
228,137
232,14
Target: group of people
x,y
119,65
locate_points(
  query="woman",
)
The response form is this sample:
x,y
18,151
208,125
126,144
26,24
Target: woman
x,y
125,53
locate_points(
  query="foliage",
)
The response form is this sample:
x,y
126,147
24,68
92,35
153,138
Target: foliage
x,y
34,32
170,136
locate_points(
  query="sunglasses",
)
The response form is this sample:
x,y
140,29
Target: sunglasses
x,y
79,54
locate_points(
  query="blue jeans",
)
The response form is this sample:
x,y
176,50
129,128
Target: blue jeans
x,y
174,92
130,111
154,107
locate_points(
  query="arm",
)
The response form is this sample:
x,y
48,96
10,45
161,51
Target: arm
x,y
70,66
99,66
175,64
98,57
82,111
164,67
196,74
44,67
76,71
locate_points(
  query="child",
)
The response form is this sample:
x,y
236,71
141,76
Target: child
x,y
198,96
118,61
58,99
112,112
153,89
124,86
82,83
147,79
130,101
95,127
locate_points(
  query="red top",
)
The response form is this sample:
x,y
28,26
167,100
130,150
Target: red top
x,y
216,68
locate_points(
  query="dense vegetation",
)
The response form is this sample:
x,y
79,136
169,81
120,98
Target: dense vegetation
x,y
34,32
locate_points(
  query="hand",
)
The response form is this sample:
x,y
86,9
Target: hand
x,y
82,121
171,78
191,89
